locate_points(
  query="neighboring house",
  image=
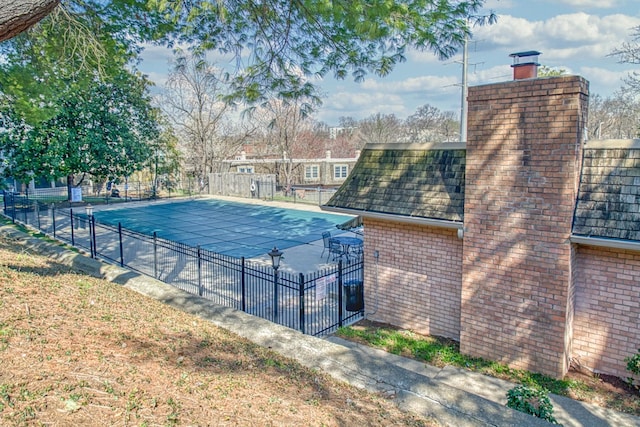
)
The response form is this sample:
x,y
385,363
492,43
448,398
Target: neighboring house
x,y
522,244
325,171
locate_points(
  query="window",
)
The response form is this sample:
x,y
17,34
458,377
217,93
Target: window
x,y
311,172
245,169
340,171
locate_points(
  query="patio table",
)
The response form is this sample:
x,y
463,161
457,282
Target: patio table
x,y
348,243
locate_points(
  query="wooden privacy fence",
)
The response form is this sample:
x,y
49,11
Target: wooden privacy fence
x,y
261,186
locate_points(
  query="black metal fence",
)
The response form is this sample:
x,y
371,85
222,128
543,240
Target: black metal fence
x,y
315,304
310,195
113,193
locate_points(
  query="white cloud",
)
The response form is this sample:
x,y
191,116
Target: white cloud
x,y
158,78
576,36
411,84
603,81
401,97
360,105
498,73
422,57
502,4
581,4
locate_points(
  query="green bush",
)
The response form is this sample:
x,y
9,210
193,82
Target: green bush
x,y
532,401
633,365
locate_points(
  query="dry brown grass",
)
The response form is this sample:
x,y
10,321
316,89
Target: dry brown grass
x,y
76,350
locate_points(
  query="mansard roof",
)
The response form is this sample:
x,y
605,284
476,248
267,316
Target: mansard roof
x,y
420,181
608,204
425,182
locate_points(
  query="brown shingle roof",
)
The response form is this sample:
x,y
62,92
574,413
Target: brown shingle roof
x,y
427,181
414,180
608,204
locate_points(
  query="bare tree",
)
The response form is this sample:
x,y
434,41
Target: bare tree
x,y
193,104
629,53
381,129
615,117
288,133
429,124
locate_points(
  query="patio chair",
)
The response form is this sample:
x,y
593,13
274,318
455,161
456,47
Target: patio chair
x,y
326,240
336,249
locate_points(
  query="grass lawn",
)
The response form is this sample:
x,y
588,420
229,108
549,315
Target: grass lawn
x,y
606,391
75,350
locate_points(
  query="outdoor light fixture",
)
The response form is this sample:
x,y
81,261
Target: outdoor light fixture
x,y
89,210
275,255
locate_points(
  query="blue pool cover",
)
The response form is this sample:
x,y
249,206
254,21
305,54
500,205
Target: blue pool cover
x,y
230,228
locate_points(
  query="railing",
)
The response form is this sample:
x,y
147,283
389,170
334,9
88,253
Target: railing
x,y
315,304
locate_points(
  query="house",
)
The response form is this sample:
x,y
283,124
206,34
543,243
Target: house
x,y
325,171
523,244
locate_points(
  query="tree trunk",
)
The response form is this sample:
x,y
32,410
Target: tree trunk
x,y
17,16
70,180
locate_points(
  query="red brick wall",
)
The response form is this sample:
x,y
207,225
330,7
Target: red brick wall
x,y
415,283
607,309
523,151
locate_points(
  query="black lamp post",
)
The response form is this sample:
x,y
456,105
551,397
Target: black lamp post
x,y
275,255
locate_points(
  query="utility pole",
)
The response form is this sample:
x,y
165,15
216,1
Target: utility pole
x,y
464,90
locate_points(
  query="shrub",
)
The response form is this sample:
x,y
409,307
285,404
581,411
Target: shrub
x,y
633,365
532,401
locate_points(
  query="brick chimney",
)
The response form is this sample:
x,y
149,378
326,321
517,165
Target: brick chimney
x,y
525,65
522,167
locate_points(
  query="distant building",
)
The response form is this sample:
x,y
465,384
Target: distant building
x,y
325,171
334,132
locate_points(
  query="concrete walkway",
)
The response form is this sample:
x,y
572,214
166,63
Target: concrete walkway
x,y
454,397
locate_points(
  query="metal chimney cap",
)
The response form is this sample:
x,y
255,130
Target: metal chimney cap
x,y
530,56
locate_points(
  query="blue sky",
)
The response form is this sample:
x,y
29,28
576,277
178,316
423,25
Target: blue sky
x,y
575,35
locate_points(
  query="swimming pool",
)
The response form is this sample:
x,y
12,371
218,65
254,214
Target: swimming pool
x,y
226,227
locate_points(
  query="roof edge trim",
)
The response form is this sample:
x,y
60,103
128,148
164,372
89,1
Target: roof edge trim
x,y
442,223
425,146
607,243
613,143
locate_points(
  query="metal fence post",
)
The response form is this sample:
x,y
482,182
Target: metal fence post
x,y
13,208
244,287
53,219
93,231
340,312
275,295
155,255
89,221
301,302
73,239
199,271
120,238
36,211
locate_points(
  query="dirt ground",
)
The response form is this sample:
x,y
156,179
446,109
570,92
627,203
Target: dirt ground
x,y
78,351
